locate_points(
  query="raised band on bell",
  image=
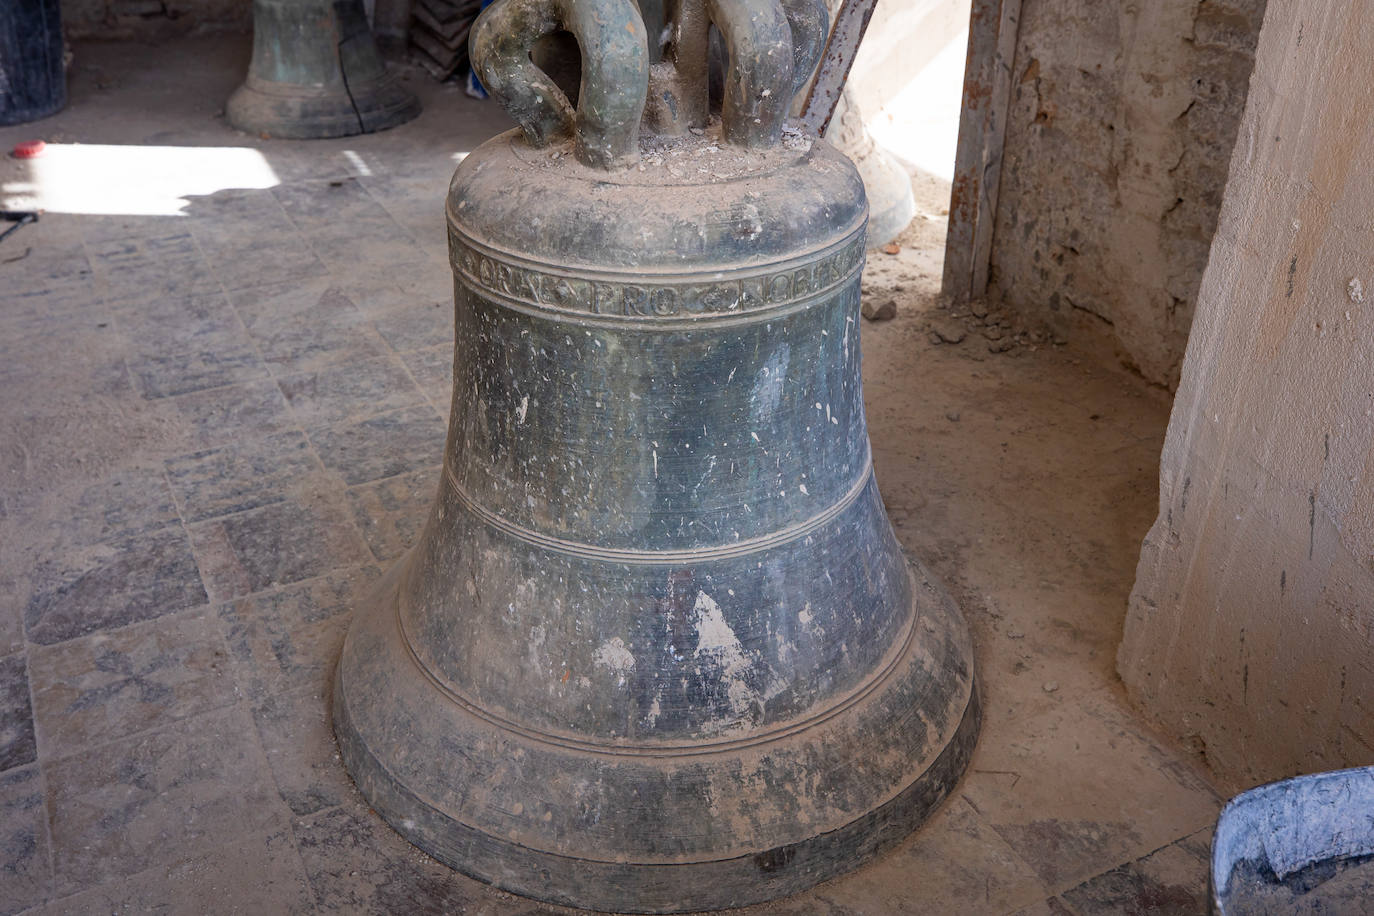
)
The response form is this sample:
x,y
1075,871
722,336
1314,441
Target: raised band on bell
x,y
657,649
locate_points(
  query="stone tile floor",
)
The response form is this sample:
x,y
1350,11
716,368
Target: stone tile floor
x,y
218,427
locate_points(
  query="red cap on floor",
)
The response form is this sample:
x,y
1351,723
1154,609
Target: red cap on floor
x,y
29,149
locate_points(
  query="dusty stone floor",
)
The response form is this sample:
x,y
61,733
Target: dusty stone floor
x,y
217,427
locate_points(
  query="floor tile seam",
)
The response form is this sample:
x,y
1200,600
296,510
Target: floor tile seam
x,y
416,382
1051,890
197,522
86,250
1112,694
1061,890
390,355
300,583
285,494
129,378
315,899
159,866
178,506
363,320
196,557
1026,866
238,439
220,600
311,820
350,423
113,541
247,667
186,612
238,702
381,202
1062,902
371,551
210,390
344,505
257,350
372,227
211,603
264,768
233,310
1041,887
136,735
326,695
436,469
37,762
238,696
300,233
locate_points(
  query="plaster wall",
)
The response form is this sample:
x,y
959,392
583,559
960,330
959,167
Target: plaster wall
x,y
902,38
1120,126
1249,628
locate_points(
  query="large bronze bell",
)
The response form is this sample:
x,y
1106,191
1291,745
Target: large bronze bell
x,y
316,73
657,648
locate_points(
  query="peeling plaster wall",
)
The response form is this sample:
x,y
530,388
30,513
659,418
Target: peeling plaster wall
x,y
1249,629
1121,124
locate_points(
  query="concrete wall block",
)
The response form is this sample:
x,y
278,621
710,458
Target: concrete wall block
x,y
1124,114
1249,629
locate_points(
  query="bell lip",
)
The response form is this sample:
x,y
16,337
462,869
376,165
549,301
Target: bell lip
x,y
632,885
694,886
292,111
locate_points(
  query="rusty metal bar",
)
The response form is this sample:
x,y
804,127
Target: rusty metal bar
x,y
840,50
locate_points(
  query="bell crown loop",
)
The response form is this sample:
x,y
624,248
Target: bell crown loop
x,y
772,47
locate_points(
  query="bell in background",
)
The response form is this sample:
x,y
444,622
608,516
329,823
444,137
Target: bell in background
x,y
33,78
886,182
316,73
657,648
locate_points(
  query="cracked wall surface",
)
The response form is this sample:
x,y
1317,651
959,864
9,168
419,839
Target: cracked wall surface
x,y
1249,629
1122,120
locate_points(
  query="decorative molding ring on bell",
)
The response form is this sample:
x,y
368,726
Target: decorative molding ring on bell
x,y
708,554
904,647
760,293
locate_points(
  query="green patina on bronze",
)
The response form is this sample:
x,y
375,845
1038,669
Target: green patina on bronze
x,y
657,648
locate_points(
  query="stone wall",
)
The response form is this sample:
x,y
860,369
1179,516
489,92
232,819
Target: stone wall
x,y
153,19
1121,124
1249,629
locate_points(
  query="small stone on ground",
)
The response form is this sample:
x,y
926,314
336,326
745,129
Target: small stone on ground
x,y
884,312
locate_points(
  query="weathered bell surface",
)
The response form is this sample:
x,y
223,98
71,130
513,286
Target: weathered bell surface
x,y
657,648
316,73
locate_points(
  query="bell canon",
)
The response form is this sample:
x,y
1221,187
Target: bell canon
x,y
657,648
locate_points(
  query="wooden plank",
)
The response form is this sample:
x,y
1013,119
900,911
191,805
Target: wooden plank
x,y
841,47
988,67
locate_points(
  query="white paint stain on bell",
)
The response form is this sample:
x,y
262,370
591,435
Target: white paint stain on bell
x,y
616,656
717,643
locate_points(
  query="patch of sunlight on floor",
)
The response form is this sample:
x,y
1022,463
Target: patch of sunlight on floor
x,y
131,180
921,123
